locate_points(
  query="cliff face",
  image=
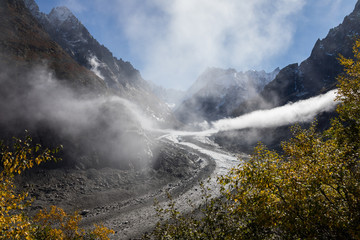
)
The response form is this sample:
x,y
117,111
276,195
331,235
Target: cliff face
x,y
315,75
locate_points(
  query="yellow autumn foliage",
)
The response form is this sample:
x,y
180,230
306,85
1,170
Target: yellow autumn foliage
x,y
52,224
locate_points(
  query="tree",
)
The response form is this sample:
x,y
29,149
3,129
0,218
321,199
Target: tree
x,y
311,191
52,224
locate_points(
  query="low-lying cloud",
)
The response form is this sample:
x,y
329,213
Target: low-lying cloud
x,y
298,112
301,111
96,131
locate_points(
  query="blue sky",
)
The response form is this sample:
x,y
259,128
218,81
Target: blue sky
x,y
173,42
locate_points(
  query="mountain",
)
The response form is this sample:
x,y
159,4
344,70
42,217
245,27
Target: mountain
x,y
217,92
120,76
317,74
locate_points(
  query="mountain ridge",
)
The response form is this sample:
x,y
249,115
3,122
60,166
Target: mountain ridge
x,y
119,75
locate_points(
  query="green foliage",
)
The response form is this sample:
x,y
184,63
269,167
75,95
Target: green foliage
x,y
311,191
14,223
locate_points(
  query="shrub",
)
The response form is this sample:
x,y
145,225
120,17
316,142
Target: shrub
x,y
52,224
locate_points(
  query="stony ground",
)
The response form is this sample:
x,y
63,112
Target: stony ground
x,y
121,199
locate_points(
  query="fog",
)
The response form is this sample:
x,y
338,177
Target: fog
x,y
96,131
298,112
301,111
107,130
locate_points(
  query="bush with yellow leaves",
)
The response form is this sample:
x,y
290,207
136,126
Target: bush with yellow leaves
x,y
52,224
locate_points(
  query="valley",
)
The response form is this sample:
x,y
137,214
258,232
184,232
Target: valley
x,y
126,142
124,200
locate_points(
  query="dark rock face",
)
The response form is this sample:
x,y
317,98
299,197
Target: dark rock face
x,y
217,92
74,38
315,75
120,76
69,32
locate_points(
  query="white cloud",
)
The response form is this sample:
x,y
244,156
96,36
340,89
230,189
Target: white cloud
x,y
178,39
172,42
301,111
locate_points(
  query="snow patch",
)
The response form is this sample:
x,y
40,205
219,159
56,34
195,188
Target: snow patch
x,y
95,64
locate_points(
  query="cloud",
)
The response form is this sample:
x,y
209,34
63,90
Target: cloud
x,y
178,39
301,111
173,42
291,113
96,131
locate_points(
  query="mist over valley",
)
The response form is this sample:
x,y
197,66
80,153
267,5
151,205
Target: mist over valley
x,y
127,141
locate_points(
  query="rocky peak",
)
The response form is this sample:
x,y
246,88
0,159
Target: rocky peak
x,y
59,15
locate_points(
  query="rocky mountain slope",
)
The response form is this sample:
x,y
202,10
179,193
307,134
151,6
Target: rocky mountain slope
x,y
120,76
315,75
217,92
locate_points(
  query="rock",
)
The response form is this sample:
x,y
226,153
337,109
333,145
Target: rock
x,y
84,212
